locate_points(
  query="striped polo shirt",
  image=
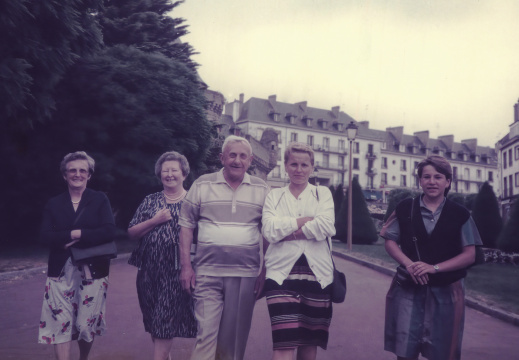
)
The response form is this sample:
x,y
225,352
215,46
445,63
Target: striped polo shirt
x,y
229,223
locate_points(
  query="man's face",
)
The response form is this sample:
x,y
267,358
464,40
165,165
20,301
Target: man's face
x,y
236,159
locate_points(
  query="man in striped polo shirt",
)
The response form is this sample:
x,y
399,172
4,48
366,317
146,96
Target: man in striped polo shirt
x,y
226,206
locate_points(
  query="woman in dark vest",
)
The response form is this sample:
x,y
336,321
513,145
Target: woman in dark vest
x,y
426,314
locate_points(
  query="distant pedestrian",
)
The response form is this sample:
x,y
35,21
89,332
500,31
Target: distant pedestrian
x,y
298,221
226,206
426,314
75,293
167,309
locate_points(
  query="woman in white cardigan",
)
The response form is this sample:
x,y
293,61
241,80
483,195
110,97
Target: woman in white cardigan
x,y
297,221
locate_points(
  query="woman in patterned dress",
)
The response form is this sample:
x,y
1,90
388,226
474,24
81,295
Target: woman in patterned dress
x,y
167,310
428,317
297,221
75,294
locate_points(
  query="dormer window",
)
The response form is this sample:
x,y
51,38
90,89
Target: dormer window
x,y
324,123
477,158
274,115
308,121
340,127
291,118
402,148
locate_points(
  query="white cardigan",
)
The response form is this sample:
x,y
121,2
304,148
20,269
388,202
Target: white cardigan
x,y
280,211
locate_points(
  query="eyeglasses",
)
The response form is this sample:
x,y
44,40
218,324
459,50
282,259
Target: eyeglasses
x,y
74,171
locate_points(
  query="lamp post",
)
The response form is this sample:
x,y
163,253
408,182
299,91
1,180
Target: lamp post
x,y
351,133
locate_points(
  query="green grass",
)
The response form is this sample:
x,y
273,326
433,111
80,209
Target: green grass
x,y
493,284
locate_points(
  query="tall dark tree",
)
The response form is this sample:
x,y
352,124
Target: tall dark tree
x,y
509,238
40,41
486,215
338,196
145,24
363,227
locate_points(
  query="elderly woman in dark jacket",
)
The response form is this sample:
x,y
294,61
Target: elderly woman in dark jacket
x,y
75,294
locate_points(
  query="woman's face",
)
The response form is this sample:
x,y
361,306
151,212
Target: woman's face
x,y
299,168
433,183
171,175
77,174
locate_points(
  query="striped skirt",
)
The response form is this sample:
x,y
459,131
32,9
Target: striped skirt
x,y
300,310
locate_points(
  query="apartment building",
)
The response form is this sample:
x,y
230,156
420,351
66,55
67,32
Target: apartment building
x,y
508,158
382,160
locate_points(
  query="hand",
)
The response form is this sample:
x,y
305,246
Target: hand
x,y
75,234
187,279
162,216
419,271
67,245
260,283
302,221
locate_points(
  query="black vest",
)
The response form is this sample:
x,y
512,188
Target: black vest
x,y
444,242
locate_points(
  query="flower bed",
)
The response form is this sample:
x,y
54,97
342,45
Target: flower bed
x,y
500,257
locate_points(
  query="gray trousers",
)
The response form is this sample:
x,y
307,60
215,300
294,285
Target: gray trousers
x,y
223,310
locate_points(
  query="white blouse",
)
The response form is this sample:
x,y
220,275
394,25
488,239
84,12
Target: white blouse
x,y
280,212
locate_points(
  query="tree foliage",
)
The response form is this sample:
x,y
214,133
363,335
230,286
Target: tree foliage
x,y
363,227
338,197
486,215
508,240
146,25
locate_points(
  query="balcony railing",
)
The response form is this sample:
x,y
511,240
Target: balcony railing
x,y
371,156
327,165
333,149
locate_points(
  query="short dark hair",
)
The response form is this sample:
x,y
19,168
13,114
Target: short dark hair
x,y
440,164
78,155
172,156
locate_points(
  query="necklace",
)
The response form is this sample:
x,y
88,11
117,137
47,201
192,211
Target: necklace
x,y
175,199
75,202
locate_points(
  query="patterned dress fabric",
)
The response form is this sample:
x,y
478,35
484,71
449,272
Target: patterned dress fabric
x,y
167,309
73,307
300,310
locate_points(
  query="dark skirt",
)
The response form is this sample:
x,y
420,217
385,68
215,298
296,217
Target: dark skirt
x,y
300,310
167,310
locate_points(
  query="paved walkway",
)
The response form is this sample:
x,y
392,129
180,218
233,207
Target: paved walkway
x,y
356,331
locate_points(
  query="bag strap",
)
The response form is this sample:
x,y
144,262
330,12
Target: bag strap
x,y
415,239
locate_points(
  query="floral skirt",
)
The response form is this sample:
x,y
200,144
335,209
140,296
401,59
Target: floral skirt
x,y
73,307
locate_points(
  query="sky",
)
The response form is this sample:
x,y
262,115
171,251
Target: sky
x,y
447,66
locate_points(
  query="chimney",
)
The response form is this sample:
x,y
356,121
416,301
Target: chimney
x,y
397,132
448,140
516,112
335,111
472,144
423,136
241,98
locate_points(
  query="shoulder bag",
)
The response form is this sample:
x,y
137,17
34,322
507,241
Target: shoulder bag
x,y
402,276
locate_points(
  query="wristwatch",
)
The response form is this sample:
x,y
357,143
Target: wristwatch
x,y
436,268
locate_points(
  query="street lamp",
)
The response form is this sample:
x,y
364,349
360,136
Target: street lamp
x,y
351,133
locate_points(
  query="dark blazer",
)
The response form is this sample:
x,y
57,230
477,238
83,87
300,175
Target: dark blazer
x,y
93,217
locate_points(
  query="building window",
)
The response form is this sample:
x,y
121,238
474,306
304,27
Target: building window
x,y
356,147
490,176
510,161
517,153
383,179
326,142
293,137
341,162
384,163
467,186
478,174
403,180
505,162
517,179
341,144
467,174
511,185
356,163
403,165
310,140
370,149
505,187
326,160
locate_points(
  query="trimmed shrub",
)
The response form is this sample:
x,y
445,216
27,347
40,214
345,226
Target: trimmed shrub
x,y
486,216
